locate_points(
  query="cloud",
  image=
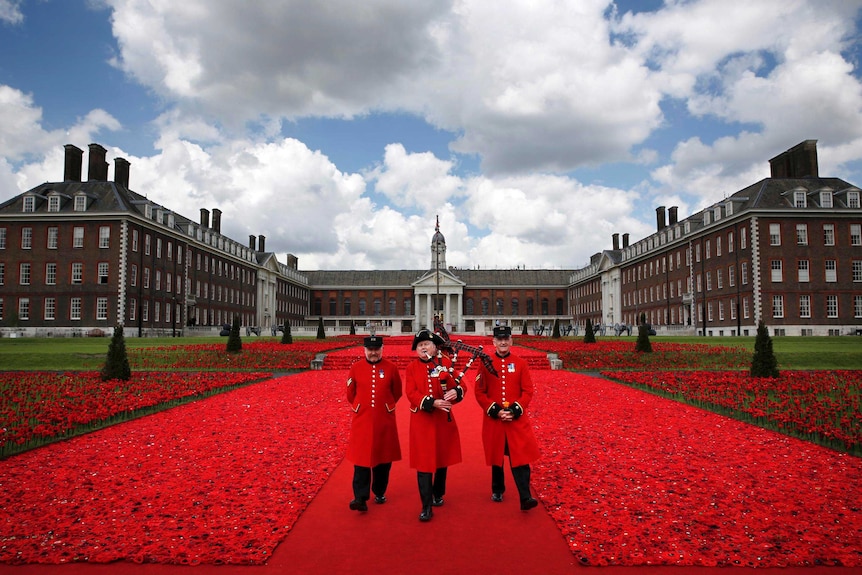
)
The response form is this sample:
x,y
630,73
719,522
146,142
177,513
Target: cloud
x,y
10,12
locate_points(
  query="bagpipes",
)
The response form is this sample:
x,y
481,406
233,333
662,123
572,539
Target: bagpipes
x,y
454,348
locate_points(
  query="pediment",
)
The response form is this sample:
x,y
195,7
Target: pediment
x,y
429,279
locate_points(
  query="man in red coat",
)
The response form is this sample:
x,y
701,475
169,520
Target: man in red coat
x,y
373,389
506,427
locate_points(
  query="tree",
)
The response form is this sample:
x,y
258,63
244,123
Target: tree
x,y
286,337
589,336
764,363
643,344
321,333
234,341
117,361
556,332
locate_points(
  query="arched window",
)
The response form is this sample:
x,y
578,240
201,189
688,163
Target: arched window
x,y
468,306
499,306
559,306
514,306
530,306
347,310
377,306
485,308
392,309
362,307
544,306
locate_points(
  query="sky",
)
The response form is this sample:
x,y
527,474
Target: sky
x,y
342,130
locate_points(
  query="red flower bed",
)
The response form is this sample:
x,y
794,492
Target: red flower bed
x,y
270,355
822,405
218,481
38,405
635,479
621,354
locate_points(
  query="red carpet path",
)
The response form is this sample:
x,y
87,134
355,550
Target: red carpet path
x,y
469,534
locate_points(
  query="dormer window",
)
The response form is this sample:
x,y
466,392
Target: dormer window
x,y
716,213
852,199
29,204
81,203
799,199
728,208
54,203
148,211
825,199
706,217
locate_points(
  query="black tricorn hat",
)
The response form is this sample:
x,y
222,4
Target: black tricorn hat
x,y
373,342
427,335
502,331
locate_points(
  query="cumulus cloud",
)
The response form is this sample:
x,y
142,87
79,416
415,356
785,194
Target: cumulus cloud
x,y
10,12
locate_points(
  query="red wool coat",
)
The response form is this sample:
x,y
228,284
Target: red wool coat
x,y
434,440
511,385
373,389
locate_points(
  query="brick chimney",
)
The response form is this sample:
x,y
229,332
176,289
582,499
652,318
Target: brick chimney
x,y
98,167
261,243
800,161
616,240
205,218
121,172
625,241
252,242
660,221
73,164
217,220
672,215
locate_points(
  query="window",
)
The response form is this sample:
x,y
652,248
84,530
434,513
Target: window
x,y
133,309
377,306
802,270
159,283
484,304
529,306
145,312
29,204
2,238
515,306
721,311
2,273
134,240
718,279
53,235
718,246
830,273
103,272
708,249
24,308
743,238
825,199
857,270
468,306
778,306
801,234
133,275
159,251
147,279
54,203
50,307
731,276
1,308
777,271
744,273
24,274
104,236
78,237
832,306
26,238
498,306
828,234
347,309
745,307
51,274
805,306
102,308
730,242
775,234
80,203
800,200
856,234
147,244
857,306
77,273
393,310
852,199
75,308
362,307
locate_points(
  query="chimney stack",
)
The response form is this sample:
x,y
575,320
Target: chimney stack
x,y
625,241
672,214
98,167
800,161
616,238
74,162
251,242
659,218
205,218
261,242
121,172
217,220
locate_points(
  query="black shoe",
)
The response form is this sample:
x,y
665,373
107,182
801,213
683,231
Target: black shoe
x,y
427,514
527,504
358,505
380,499
437,502
497,497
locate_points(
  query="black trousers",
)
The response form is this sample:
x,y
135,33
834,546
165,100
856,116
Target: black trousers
x,y
521,475
363,484
432,486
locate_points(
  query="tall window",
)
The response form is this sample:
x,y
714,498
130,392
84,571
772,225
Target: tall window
x,y
81,203
498,306
102,308
832,306
104,236
777,272
78,237
29,204
515,306
133,275
77,272
743,238
775,234
147,244
718,279
2,238
852,199
103,272
2,273
147,279
805,306
731,276
802,270
362,307
75,308
857,306
50,307
134,240
830,271
24,274
51,274
26,238
801,234
24,308
857,271
800,200
347,310
825,199
53,203
778,306
856,234
393,309
485,306
468,306
53,235
828,234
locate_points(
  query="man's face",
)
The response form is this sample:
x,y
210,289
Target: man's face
x,y
426,349
502,344
373,354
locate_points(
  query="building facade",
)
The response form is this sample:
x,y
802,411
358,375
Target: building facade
x,y
79,257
